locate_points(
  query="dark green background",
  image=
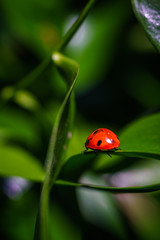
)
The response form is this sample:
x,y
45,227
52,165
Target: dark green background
x,y
119,82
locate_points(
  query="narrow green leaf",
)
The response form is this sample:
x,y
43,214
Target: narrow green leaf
x,y
67,67
61,131
148,13
17,162
60,136
139,189
62,126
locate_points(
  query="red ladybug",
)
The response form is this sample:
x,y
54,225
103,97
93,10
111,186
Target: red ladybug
x,y
102,139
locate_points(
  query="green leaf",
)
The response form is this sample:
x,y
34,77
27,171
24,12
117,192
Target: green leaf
x,y
67,67
148,13
63,124
141,138
17,162
105,164
60,137
17,126
76,165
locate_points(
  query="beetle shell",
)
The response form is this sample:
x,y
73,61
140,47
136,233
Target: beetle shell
x,y
102,139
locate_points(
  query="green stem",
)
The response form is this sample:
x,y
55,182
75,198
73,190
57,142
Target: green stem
x,y
139,189
41,228
53,165
34,74
45,63
75,26
43,212
24,82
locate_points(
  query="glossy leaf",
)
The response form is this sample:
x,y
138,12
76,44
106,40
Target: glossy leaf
x,y
148,13
17,162
141,138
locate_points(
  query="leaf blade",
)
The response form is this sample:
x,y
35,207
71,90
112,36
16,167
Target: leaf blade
x,y
17,162
148,13
57,142
142,136
61,130
140,139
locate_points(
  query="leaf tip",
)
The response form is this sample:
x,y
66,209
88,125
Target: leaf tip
x,y
56,56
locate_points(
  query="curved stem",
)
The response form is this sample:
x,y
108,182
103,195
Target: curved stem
x,y
53,166
29,78
45,63
75,26
34,74
139,189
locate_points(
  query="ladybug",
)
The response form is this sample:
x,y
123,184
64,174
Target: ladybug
x,y
102,139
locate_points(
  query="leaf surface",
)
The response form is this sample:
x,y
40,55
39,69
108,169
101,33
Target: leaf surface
x,y
148,13
17,162
142,137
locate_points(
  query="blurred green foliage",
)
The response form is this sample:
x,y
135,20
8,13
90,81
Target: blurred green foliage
x,y
118,82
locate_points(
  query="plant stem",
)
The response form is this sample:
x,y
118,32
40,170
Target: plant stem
x,y
139,189
29,78
34,74
43,212
53,165
75,26
45,63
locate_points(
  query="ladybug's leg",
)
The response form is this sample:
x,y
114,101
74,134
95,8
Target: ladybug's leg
x,y
115,149
96,152
108,154
85,151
